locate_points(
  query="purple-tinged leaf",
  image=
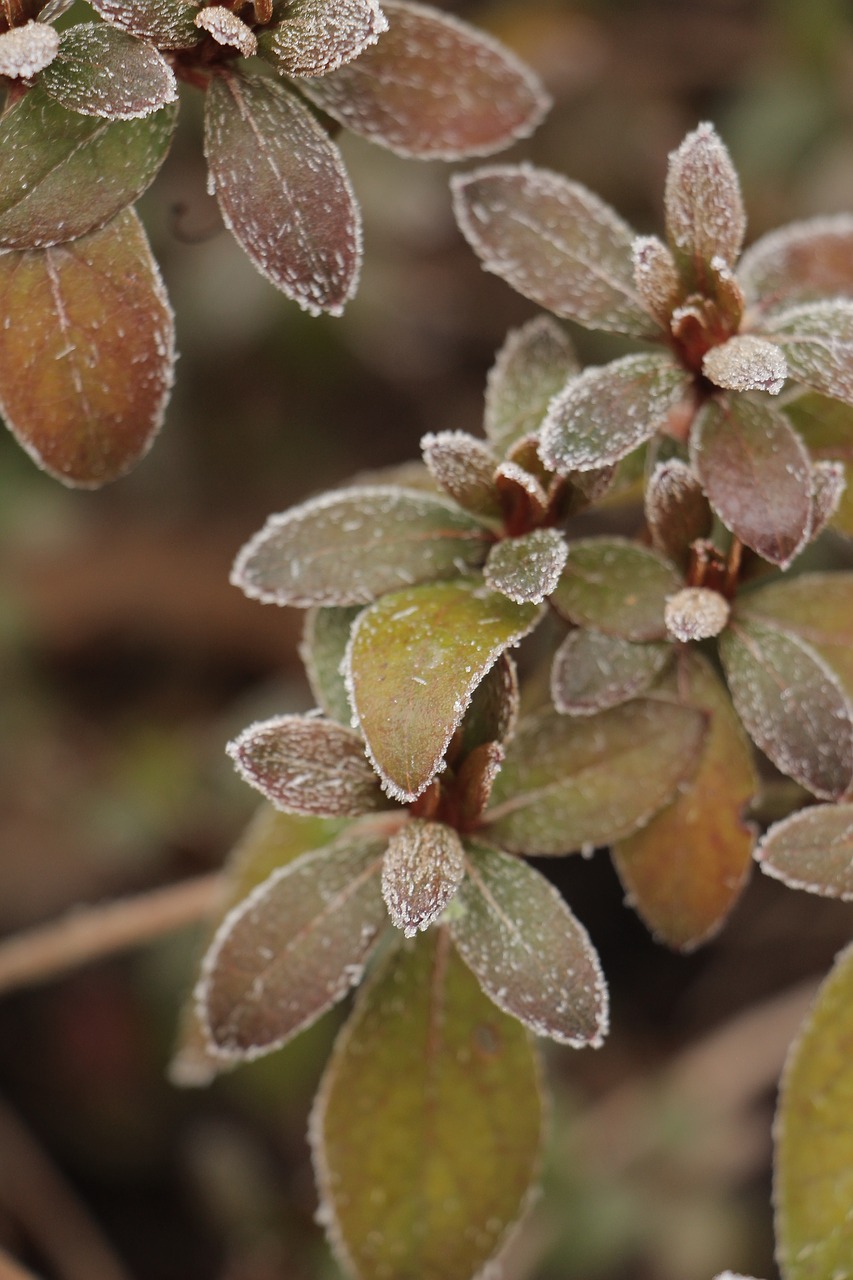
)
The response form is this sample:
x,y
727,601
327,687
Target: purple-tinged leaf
x,y
464,467
303,764
593,671
227,29
282,189
826,427
422,870
433,87
813,1175
656,278
803,262
101,71
829,482
493,712
527,568
430,1090
65,174
474,781
86,352
318,36
293,947
570,784
756,474
817,339
696,613
415,659
677,511
685,870
705,219
746,363
792,705
812,850
555,242
167,24
27,50
527,951
524,501
533,364
616,586
610,410
324,642
352,545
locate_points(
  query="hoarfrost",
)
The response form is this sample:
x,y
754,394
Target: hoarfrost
x,y
26,50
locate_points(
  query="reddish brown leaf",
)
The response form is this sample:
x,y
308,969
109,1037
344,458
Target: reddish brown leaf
x,y
705,218
422,869
168,24
803,262
677,511
318,36
464,467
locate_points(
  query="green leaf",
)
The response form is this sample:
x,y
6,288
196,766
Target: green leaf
x,y
817,607
318,36
527,568
423,868
464,468
65,174
803,262
813,1179
617,587
351,545
826,426
773,676
282,189
533,364
433,87
555,242
303,764
86,352
817,339
677,511
812,850
756,474
528,952
414,660
569,784
686,869
101,71
168,24
593,671
705,218
610,410
324,644
294,946
426,1129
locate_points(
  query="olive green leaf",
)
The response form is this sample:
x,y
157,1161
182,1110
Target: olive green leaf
x,y
464,467
101,71
65,174
318,36
573,783
705,218
812,850
813,1179
817,339
528,952
86,352
415,659
168,24
533,364
593,671
324,643
427,1126
422,869
617,587
803,262
527,568
685,870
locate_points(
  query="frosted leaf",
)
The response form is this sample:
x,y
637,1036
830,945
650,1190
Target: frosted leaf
x,y
677,511
167,24
523,500
100,71
655,277
527,568
528,952
610,410
282,189
746,363
817,607
433,87
812,850
493,712
464,468
555,242
423,867
803,262
352,545
227,29
792,705
616,586
732,1275
829,481
705,217
696,613
324,641
817,340
593,671
307,765
534,362
318,36
474,781
26,50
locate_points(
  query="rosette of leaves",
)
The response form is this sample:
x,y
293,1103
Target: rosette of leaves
x,y
730,331
90,120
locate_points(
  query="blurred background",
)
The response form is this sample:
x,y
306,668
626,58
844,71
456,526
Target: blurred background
x,y
127,661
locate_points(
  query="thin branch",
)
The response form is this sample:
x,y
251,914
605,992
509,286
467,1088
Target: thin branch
x,y
88,933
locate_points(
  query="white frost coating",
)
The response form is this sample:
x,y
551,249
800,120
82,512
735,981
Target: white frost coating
x,y
655,276
817,339
696,613
464,467
801,262
318,36
227,29
747,363
26,50
812,850
423,867
533,364
527,569
704,210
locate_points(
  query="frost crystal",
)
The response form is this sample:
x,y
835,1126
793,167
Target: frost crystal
x,y
226,28
696,613
26,50
747,363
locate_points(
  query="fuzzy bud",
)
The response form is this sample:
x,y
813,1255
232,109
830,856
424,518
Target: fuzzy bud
x,y
696,613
